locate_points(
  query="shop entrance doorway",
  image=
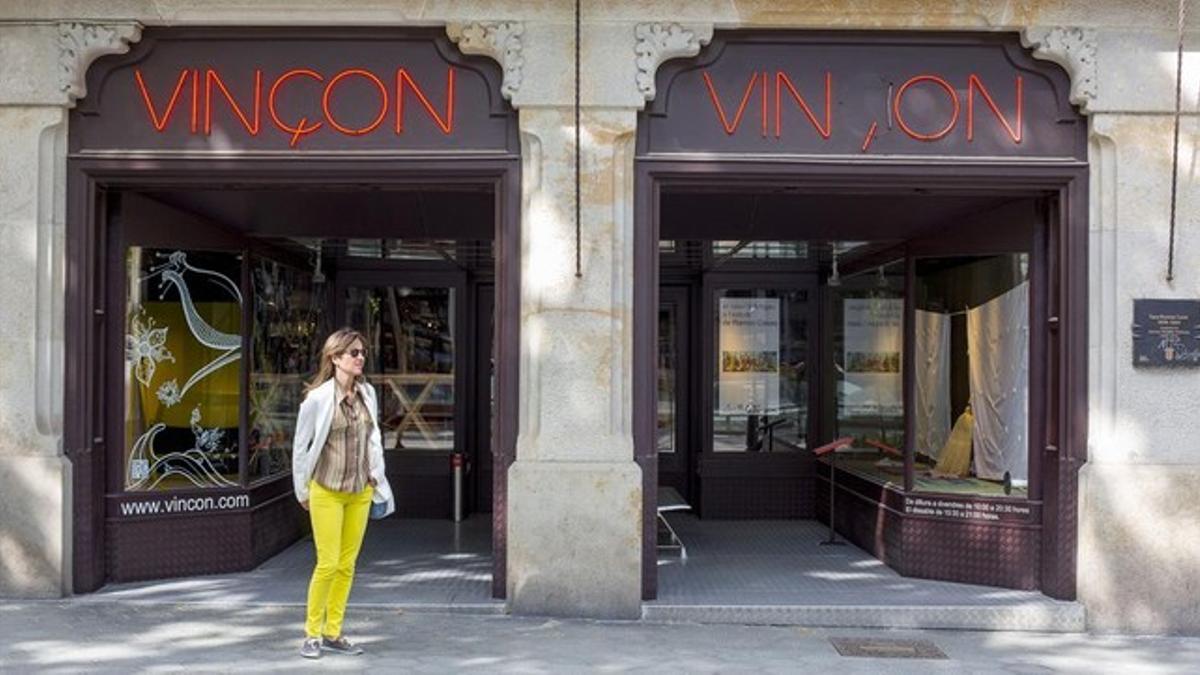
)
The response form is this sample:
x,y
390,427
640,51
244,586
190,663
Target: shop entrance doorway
x,y
226,296
882,239
220,182
787,320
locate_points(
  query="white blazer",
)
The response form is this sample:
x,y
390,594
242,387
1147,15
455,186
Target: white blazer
x,y
312,429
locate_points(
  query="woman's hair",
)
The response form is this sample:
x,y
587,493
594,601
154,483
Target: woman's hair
x,y
335,345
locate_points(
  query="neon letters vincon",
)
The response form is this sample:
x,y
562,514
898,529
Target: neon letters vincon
x,y
776,97
204,94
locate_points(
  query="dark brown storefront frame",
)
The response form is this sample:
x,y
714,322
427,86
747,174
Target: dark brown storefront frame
x,y
88,312
1060,430
104,158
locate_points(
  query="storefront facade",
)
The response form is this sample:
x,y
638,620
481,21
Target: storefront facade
x,y
945,194
690,118
259,160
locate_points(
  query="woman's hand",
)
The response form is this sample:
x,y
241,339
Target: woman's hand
x,y
373,482
304,504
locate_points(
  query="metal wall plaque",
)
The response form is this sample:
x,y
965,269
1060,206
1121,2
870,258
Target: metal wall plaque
x,y
1166,333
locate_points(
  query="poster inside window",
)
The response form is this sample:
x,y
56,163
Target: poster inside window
x,y
760,400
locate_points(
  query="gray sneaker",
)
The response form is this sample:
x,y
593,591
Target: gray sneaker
x,y
340,645
311,648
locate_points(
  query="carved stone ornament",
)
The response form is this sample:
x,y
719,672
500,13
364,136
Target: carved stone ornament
x,y
1072,48
498,40
79,44
657,42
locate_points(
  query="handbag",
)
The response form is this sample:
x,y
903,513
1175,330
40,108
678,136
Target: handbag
x,y
378,510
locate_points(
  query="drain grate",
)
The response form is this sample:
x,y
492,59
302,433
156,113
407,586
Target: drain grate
x,y
882,648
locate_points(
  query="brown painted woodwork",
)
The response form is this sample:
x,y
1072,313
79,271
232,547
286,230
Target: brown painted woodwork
x,y
688,153
109,154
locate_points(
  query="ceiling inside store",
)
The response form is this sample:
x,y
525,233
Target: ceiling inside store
x,y
461,213
782,216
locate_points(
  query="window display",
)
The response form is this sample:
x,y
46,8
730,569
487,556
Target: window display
x,y
289,320
973,342
667,358
411,334
183,346
760,398
863,353
967,335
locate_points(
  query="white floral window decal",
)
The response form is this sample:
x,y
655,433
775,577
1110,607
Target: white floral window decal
x,y
146,347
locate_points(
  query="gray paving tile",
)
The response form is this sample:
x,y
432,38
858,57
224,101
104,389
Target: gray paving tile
x,y
764,572
781,562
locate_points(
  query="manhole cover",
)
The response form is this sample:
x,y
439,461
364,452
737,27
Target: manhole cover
x,y
881,648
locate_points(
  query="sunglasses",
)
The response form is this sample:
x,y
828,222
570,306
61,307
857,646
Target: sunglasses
x,y
355,353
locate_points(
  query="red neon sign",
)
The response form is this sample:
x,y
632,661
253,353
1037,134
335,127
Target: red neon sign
x,y
244,101
211,77
160,123
383,102
897,101
782,79
911,126
737,118
973,83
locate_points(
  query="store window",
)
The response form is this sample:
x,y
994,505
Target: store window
x,y
410,331
971,389
866,342
668,364
760,391
183,345
289,329
760,250
403,249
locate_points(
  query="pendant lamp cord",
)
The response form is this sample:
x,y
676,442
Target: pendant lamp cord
x,y
1175,149
578,153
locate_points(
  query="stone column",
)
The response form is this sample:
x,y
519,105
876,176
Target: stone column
x,y
1139,542
574,493
41,67
574,527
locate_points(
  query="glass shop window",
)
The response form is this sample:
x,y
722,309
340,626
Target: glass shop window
x,y
667,372
865,340
411,335
760,390
183,345
289,330
761,250
971,385
403,249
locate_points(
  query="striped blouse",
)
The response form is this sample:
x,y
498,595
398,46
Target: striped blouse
x,y
343,465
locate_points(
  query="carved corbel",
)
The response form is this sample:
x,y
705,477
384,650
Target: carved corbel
x,y
498,40
79,44
657,42
1074,49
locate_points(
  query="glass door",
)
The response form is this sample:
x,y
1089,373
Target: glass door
x,y
411,336
760,385
672,417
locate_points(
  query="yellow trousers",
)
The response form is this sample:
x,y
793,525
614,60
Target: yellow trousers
x,y
339,520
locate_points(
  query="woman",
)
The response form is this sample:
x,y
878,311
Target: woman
x,y
337,469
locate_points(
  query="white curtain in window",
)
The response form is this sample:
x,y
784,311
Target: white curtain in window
x,y
998,349
932,381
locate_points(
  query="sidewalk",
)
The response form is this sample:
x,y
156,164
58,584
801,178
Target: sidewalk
x,y
92,635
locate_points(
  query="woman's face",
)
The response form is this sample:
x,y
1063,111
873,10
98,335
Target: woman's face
x,y
351,361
